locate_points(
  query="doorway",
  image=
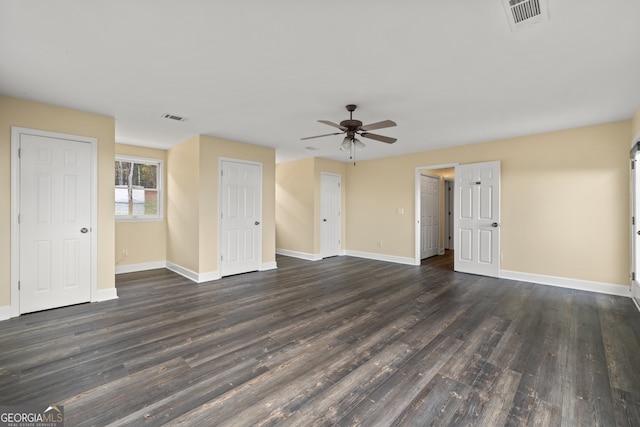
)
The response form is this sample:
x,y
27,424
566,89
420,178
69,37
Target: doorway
x,y
54,220
476,215
330,213
448,214
440,175
430,207
635,223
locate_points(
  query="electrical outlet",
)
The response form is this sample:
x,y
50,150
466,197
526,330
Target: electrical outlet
x,y
379,243
125,252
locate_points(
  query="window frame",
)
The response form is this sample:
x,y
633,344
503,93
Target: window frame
x,y
159,184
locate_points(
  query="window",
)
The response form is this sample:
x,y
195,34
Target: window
x,y
138,188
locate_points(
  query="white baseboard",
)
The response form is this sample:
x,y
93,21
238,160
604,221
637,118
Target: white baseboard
x,y
563,282
192,275
301,255
189,274
106,294
268,266
208,276
382,257
132,268
5,312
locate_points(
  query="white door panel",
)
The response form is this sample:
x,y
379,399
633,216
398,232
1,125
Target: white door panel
x,y
429,216
330,212
55,222
240,222
477,189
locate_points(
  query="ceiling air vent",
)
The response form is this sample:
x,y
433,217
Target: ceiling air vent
x,y
524,13
174,117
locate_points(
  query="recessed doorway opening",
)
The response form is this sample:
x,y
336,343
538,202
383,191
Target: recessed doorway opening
x,y
434,212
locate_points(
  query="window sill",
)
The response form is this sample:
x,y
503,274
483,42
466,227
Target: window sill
x,y
139,219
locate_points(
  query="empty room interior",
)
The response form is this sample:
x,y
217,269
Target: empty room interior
x,y
342,213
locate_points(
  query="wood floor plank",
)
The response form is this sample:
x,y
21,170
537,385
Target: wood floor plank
x,y
489,398
388,401
435,405
338,342
353,388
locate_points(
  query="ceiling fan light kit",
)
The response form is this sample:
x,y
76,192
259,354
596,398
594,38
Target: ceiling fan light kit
x,y
352,128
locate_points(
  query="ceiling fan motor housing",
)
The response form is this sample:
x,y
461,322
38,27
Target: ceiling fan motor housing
x,y
351,124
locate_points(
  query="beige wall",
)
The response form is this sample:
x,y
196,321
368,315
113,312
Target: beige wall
x,y
564,201
34,115
145,241
192,220
183,201
295,206
298,203
635,125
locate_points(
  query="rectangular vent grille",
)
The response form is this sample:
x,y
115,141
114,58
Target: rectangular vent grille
x,y
524,9
524,13
174,117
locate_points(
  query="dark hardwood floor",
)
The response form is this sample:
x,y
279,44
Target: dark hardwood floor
x,y
343,341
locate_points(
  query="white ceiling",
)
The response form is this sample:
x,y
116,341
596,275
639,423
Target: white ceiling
x,y
262,72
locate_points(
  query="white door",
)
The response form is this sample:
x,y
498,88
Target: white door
x,y
330,207
429,216
635,224
240,217
477,218
54,222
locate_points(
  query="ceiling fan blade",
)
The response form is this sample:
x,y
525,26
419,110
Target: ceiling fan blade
x,y
335,125
379,125
320,136
380,138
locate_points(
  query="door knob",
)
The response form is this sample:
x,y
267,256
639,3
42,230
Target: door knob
x,y
84,230
257,222
324,220
495,224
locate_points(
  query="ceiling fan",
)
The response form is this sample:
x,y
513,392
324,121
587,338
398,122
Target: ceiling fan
x,y
352,128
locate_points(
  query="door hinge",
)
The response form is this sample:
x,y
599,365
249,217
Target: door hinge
x,y
633,163
633,276
19,152
18,218
222,172
221,257
18,284
221,215
633,220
